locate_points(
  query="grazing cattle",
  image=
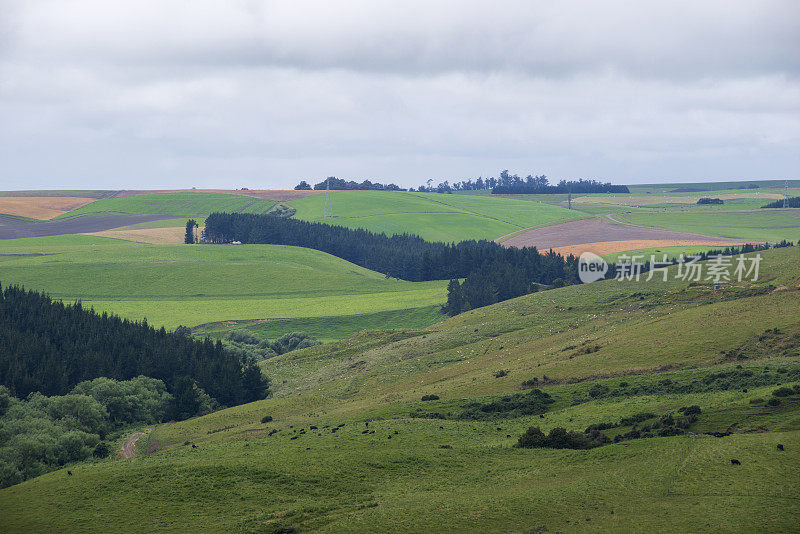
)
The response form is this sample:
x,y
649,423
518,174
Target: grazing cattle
x,y
395,432
366,423
735,462
499,429
780,446
508,435
541,416
371,431
390,436
69,473
194,446
273,431
365,432
293,437
340,426
744,390
312,427
319,433
441,428
333,430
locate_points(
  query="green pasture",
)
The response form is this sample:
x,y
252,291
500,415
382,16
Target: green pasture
x,y
335,327
758,225
186,204
434,216
455,475
191,285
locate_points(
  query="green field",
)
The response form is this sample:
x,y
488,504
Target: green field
x,y
190,285
334,328
433,216
176,204
757,225
241,479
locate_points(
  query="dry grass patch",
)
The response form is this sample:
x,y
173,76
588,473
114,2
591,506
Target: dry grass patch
x,y
153,236
41,207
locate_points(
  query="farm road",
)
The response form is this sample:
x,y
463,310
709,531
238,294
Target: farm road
x,y
129,447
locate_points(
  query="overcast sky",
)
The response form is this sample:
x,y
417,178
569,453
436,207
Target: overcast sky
x,y
154,94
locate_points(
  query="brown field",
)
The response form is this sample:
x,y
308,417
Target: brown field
x,y
612,247
277,195
42,207
152,236
604,235
627,200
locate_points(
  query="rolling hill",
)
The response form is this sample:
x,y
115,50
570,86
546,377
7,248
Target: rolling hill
x,y
603,352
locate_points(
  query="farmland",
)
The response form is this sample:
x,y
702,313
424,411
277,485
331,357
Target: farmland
x,y
433,216
390,480
172,285
177,204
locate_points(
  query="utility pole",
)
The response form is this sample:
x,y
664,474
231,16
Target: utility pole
x,y
786,194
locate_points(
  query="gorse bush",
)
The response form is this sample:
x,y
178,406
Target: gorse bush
x,y
533,402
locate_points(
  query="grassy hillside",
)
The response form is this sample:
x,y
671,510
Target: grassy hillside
x,y
190,285
436,217
603,351
177,204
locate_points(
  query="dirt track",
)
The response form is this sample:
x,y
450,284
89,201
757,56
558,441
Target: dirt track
x,y
11,228
129,447
597,231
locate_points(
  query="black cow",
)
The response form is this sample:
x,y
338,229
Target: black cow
x,y
735,462
780,446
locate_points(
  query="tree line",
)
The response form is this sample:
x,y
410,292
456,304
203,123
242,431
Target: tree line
x,y
492,272
793,202
348,185
50,347
508,183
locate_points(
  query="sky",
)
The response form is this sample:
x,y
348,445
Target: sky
x,y
107,94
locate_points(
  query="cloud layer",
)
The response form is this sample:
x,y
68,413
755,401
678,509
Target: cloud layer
x,y
98,94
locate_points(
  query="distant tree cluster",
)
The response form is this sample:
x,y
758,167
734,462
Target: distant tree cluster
x,y
252,348
793,202
707,200
492,272
189,237
513,184
348,185
50,347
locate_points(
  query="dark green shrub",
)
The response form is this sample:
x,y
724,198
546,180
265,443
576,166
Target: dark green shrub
x,y
691,410
774,401
101,450
501,373
266,419
783,392
430,397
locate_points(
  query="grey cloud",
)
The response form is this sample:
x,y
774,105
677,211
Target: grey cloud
x,y
148,94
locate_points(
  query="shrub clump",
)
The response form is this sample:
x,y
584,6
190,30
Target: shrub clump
x,y
430,397
533,402
560,438
266,419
